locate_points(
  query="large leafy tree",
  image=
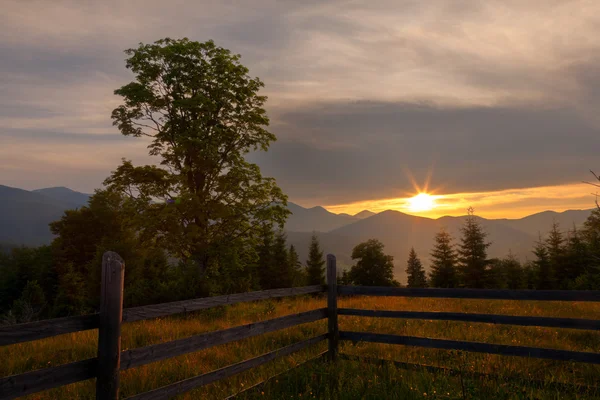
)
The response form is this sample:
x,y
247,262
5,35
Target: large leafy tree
x,y
443,261
472,253
414,271
202,113
373,267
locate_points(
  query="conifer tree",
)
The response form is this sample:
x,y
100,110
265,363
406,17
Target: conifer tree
x,y
298,276
415,271
556,257
545,275
265,257
577,257
281,269
443,262
472,253
315,265
513,273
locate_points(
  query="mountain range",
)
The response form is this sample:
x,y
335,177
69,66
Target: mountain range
x,y
25,215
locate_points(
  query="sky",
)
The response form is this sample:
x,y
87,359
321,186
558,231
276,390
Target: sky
x,y
489,104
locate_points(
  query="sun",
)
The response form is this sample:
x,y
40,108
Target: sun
x,y
421,202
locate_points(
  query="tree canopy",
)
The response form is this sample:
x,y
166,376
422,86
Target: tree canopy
x,y
202,113
373,267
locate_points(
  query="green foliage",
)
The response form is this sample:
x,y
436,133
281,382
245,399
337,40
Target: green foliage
x,y
415,271
472,253
282,270
373,267
506,273
203,114
298,273
443,262
315,265
545,274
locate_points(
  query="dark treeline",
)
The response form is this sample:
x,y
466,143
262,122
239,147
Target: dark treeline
x,y
63,278
560,260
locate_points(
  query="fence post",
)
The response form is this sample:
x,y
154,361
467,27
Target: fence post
x,y
109,333
332,315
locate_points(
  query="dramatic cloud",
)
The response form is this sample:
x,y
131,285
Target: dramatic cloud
x,y
364,96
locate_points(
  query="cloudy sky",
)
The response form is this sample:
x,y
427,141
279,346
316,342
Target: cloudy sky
x,y
494,104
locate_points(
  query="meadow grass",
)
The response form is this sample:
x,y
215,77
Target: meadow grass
x,y
344,379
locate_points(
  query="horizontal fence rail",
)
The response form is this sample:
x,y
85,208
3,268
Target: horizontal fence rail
x,y
15,386
477,347
481,294
176,307
571,323
12,334
145,355
174,389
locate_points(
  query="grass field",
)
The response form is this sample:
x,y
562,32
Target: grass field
x,y
344,379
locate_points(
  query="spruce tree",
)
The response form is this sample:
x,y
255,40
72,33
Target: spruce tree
x,y
281,269
315,265
265,257
577,257
545,275
472,253
556,257
298,276
513,273
415,271
443,261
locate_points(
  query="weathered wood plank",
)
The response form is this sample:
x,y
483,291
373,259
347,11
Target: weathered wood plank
x,y
477,347
174,389
259,384
563,386
176,307
109,333
145,355
15,386
491,294
12,334
572,323
332,314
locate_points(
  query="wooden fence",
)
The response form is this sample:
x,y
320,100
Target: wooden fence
x,y
110,359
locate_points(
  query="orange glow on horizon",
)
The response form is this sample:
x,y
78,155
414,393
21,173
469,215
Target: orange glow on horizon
x,y
508,203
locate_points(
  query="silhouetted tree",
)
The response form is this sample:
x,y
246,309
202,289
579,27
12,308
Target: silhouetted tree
x,y
513,273
373,267
472,253
282,270
443,262
265,262
315,265
556,257
414,271
544,272
298,275
202,113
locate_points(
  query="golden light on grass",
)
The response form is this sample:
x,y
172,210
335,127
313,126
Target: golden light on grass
x,y
421,202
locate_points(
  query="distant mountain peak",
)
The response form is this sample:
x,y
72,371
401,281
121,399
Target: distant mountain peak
x,y
65,194
364,214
